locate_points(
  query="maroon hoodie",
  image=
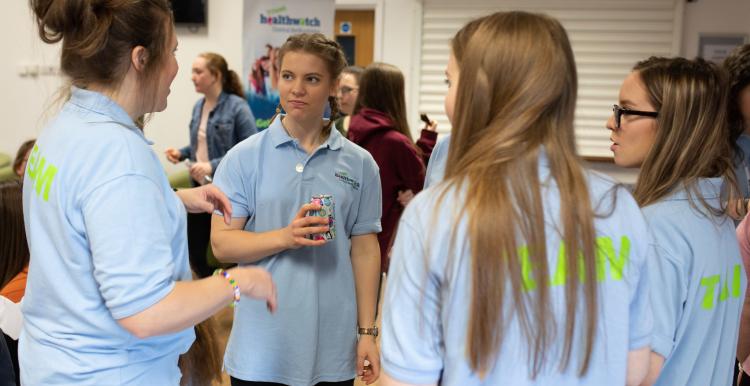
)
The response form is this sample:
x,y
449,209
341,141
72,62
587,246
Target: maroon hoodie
x,y
400,162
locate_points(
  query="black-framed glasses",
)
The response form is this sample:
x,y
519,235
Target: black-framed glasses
x,y
620,111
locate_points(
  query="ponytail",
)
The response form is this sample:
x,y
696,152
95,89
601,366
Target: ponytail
x,y
231,83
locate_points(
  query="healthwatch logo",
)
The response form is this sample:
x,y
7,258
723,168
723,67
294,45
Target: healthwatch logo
x,y
288,20
344,177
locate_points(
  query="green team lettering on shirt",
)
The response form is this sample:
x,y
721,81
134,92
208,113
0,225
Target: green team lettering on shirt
x,y
714,283
605,252
41,173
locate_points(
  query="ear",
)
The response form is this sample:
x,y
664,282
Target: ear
x,y
138,57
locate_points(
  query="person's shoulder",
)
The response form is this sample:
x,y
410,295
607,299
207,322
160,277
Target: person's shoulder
x,y
236,102
395,138
250,145
352,148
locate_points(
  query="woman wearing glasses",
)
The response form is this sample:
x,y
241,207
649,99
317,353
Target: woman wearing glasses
x,y
670,122
346,96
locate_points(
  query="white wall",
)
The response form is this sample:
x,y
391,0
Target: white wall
x,y
713,17
24,101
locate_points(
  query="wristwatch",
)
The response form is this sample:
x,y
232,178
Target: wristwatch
x,y
368,331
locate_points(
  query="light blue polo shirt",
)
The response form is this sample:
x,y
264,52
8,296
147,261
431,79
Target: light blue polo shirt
x,y
312,336
107,237
436,165
427,299
698,270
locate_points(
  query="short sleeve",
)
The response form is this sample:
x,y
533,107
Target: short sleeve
x,y
412,345
370,202
238,186
128,229
641,316
667,274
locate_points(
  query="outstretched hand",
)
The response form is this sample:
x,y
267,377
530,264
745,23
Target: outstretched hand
x,y
206,198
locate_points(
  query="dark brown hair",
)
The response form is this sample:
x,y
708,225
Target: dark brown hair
x,y
327,50
98,35
14,250
21,155
515,96
217,66
737,65
692,134
381,87
355,71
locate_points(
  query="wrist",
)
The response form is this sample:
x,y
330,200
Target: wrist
x,y
231,279
368,331
286,238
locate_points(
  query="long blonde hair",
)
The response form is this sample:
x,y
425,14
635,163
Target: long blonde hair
x,y
516,95
692,134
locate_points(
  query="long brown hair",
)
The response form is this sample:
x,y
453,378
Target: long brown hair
x,y
516,96
381,87
737,65
97,37
692,135
201,364
217,66
329,51
13,246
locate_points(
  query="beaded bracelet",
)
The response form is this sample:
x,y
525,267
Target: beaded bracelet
x,y
233,283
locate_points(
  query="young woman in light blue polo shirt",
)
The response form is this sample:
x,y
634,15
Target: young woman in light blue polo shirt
x,y
521,267
109,299
671,122
327,288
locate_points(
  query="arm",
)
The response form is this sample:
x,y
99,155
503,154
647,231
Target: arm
x,y
11,318
184,153
409,168
365,257
231,243
427,140
129,231
191,302
743,345
654,369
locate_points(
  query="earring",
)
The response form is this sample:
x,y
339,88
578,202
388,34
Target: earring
x,y
278,109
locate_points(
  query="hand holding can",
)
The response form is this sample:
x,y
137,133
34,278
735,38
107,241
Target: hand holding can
x,y
326,203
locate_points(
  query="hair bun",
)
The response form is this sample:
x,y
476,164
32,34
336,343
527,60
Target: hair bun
x,y
57,19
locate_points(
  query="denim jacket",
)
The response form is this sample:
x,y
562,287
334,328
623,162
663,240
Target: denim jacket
x,y
230,122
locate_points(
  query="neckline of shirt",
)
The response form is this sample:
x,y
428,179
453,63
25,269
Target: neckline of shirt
x,y
279,136
104,106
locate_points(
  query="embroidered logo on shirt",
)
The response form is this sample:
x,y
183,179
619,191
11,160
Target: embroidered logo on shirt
x,y
41,173
605,255
344,177
717,283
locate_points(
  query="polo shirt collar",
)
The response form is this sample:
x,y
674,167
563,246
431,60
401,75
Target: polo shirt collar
x,y
279,135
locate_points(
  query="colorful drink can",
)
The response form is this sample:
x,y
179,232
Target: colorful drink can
x,y
326,210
